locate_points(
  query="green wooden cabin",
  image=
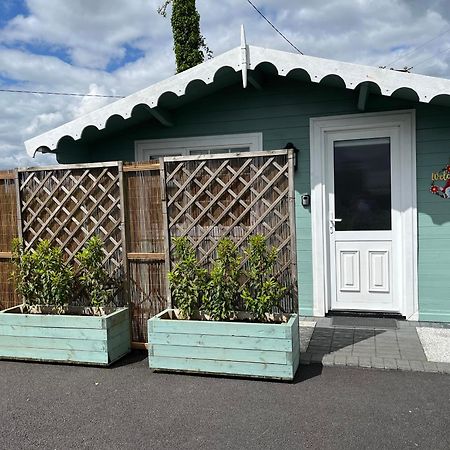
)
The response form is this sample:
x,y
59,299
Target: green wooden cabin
x,y
371,236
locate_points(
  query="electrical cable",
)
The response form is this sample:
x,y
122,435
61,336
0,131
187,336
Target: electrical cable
x,y
417,48
430,57
274,27
73,94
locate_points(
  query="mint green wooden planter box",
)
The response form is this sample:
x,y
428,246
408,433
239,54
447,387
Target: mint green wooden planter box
x,y
264,350
73,337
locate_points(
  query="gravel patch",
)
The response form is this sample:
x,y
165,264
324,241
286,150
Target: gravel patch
x,y
306,332
436,343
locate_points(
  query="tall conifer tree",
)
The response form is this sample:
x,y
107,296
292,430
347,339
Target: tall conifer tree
x,y
188,43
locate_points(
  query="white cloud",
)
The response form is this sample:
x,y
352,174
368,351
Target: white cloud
x,y
91,32
67,46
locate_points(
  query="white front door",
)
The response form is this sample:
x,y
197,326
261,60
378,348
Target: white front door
x,y
363,172
362,205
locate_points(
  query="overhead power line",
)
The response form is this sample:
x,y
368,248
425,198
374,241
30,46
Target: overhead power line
x,y
418,47
72,94
430,57
274,27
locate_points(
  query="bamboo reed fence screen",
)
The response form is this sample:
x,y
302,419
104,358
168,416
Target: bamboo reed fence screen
x,y
146,243
136,208
235,195
8,231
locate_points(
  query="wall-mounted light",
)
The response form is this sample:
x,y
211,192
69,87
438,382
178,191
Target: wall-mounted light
x,y
305,200
290,145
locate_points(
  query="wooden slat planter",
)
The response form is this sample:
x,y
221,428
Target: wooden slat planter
x,y
82,339
265,350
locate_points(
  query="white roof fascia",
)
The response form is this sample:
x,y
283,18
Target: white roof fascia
x,y
123,107
352,74
317,68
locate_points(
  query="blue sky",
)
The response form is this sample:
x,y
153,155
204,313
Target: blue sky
x,y
10,9
115,47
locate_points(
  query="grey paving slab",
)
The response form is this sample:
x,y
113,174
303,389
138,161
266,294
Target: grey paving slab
x,y
305,358
403,365
390,364
340,360
389,348
328,360
412,355
430,366
352,361
443,367
365,361
364,344
317,357
343,339
377,363
387,353
342,350
417,366
368,342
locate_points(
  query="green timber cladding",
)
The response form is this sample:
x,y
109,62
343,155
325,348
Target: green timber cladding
x,y
281,112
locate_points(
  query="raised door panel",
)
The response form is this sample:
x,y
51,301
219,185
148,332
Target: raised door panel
x,y
379,271
349,271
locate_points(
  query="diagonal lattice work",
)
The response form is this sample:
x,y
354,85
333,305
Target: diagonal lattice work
x,y
235,195
69,205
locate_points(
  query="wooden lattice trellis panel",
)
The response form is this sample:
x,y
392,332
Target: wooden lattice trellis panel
x,y
235,195
68,205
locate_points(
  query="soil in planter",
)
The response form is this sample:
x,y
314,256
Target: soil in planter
x,y
62,311
239,316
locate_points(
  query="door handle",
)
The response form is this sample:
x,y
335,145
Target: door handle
x,y
333,221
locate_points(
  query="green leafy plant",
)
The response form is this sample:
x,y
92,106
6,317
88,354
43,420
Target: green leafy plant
x,y
41,275
97,285
262,292
187,279
189,44
222,290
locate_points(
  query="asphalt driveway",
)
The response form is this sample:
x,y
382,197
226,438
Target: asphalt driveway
x,y
127,406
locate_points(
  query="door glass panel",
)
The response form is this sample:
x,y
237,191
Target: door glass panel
x,y
362,184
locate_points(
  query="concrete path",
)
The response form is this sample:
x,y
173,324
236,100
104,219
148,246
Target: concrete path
x,y
45,406
394,347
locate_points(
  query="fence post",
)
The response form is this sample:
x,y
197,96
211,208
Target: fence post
x,y
19,206
294,274
123,225
165,218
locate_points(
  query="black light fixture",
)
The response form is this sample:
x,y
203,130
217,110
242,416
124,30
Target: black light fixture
x,y
290,145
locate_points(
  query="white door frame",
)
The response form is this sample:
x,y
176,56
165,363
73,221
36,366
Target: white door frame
x,y
320,128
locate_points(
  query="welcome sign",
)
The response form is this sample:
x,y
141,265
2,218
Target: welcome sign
x,y
442,189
